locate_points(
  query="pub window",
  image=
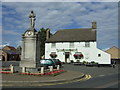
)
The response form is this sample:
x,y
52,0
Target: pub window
x,y
71,44
87,44
53,45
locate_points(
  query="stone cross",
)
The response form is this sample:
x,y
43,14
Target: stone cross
x,y
32,19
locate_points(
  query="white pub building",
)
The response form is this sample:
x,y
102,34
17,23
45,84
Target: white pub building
x,y
68,44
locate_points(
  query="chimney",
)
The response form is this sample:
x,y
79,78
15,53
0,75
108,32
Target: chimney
x,y
47,33
94,25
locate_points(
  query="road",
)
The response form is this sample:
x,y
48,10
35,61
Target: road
x,y
102,77
109,81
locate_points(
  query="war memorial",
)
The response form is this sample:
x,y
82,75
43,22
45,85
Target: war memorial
x,y
30,46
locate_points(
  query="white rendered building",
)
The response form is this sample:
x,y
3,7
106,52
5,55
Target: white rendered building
x,y
68,42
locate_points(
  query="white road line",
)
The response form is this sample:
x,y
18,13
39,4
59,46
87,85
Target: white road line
x,y
108,85
101,75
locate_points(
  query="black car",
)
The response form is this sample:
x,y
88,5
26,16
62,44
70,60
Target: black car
x,y
57,62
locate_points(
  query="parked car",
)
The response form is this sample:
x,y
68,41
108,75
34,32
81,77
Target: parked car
x,y
57,62
50,62
47,62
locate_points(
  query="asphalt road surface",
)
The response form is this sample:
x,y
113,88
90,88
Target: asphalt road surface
x,y
102,77
109,81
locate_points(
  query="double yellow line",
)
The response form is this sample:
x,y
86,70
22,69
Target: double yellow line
x,y
86,77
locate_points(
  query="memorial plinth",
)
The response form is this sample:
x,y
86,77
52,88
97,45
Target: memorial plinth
x,y
30,46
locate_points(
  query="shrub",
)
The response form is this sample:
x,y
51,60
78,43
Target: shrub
x,y
84,62
78,60
92,62
96,63
72,61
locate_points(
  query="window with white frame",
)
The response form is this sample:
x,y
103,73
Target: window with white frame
x,y
53,45
71,45
87,44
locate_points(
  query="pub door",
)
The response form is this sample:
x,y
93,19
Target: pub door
x,y
67,56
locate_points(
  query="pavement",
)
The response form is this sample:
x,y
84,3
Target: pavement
x,y
63,77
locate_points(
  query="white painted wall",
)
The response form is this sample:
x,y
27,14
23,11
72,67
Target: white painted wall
x,y
90,53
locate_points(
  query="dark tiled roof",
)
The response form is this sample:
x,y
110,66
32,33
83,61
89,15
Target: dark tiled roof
x,y
73,35
9,47
12,51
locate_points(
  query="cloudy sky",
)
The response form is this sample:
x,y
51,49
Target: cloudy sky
x,y
61,15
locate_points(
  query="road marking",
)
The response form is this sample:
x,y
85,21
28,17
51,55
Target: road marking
x,y
86,77
105,75
108,85
101,75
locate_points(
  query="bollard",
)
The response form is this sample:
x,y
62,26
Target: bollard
x,y
58,67
51,68
23,69
11,68
42,70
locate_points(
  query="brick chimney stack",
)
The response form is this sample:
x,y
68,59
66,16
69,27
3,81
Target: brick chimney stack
x,y
47,33
94,25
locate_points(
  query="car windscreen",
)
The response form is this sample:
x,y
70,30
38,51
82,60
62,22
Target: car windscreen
x,y
46,61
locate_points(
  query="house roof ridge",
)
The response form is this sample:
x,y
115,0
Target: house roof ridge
x,y
113,47
74,29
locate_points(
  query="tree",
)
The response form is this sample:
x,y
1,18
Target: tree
x,y
19,49
42,39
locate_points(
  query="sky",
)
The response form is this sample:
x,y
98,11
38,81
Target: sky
x,y
60,15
